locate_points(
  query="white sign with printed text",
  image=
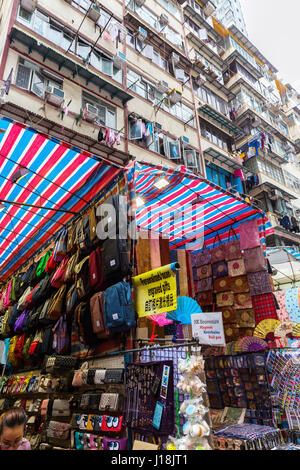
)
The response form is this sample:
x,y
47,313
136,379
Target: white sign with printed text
x,y
208,328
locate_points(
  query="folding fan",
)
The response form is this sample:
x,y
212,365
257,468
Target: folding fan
x,y
186,306
266,327
284,329
160,319
296,330
230,348
251,344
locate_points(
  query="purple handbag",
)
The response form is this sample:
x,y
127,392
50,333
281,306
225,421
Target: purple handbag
x,y
204,271
254,260
203,257
259,283
232,248
217,253
114,444
19,323
220,269
205,284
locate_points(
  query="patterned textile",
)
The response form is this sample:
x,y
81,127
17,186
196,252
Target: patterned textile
x,y
239,284
264,307
292,304
259,283
282,312
242,301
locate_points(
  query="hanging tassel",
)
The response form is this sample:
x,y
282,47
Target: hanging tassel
x,y
153,333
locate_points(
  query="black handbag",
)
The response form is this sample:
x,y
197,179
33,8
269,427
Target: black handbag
x,y
60,363
43,291
114,376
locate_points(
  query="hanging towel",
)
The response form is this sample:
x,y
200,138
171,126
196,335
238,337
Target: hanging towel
x,y
292,304
281,312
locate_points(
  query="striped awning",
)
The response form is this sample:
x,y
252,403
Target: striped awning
x,y
189,209
60,177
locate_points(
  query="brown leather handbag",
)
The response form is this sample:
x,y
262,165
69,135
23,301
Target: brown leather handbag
x,y
57,303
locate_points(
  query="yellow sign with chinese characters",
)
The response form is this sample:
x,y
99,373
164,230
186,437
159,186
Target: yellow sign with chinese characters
x,y
156,291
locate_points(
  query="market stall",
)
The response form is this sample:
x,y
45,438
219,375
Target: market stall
x,y
97,325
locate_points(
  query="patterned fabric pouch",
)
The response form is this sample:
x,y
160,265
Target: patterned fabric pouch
x,y
236,268
220,269
225,299
222,284
204,271
259,283
242,301
239,284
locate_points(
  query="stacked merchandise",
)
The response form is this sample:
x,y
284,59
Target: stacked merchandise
x,y
233,278
63,303
196,430
69,409
247,437
240,382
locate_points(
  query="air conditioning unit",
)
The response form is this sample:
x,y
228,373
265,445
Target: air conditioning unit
x,y
91,112
141,34
119,60
162,87
200,79
164,19
174,58
140,3
209,9
94,13
54,95
175,96
29,5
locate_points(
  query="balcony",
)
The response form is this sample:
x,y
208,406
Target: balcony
x,y
221,119
280,231
193,11
237,80
208,49
200,68
67,60
244,111
157,37
219,156
233,54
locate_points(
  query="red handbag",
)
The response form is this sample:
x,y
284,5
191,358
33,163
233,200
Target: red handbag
x,y
51,265
58,278
112,423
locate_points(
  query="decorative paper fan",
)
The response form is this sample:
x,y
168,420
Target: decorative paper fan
x,y
284,329
230,348
186,306
160,319
265,327
251,344
296,330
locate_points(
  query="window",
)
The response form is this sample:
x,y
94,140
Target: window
x,y
107,115
24,15
31,77
215,136
212,99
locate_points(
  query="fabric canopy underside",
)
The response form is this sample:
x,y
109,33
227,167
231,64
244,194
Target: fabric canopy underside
x,y
60,177
287,263
190,210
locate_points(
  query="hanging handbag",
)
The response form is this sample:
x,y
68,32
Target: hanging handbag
x,y
229,315
205,285
222,284
109,402
60,249
220,269
72,300
40,270
51,265
58,430
217,253
57,303
60,363
58,277
242,301
225,299
236,268
259,283
249,235
232,248
202,257
204,299
254,260
204,271
239,284
70,269
61,408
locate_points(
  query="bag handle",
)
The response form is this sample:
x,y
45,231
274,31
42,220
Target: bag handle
x,y
233,232
217,237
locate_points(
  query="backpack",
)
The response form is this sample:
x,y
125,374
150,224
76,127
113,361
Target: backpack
x,y
114,256
83,278
97,316
57,303
19,286
43,290
13,317
43,317
95,269
83,236
33,278
61,339
119,314
60,248
85,325
71,240
34,317
27,321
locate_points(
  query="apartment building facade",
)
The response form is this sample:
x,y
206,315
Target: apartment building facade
x,y
160,81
